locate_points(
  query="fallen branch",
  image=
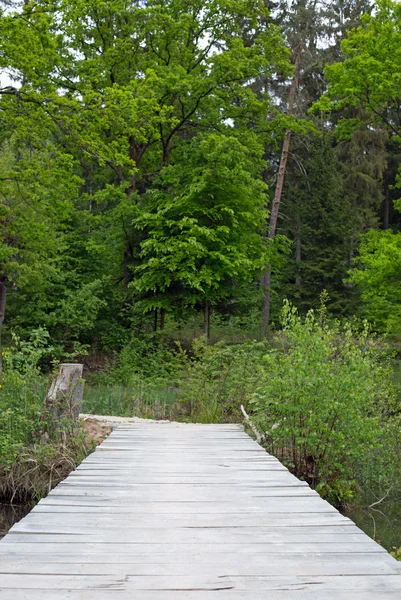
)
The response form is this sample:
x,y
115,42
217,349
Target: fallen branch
x,y
374,527
381,499
259,436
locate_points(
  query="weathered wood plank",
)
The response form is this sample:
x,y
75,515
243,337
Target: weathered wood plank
x,y
230,563
184,583
185,493
176,510
111,594
313,533
255,519
124,547
203,572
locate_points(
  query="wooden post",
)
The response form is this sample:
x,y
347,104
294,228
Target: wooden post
x,y
64,398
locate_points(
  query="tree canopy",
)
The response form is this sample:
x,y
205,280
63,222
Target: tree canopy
x,y
140,153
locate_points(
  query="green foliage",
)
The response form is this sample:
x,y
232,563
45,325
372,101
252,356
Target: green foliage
x,y
203,225
377,276
34,455
321,223
323,399
369,77
21,408
77,312
396,553
142,398
370,73
206,383
107,96
219,378
143,382
34,209
150,358
25,355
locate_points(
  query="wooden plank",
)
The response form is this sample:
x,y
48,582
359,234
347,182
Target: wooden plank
x,y
111,594
113,481
184,507
247,544
126,548
336,572
185,493
255,519
184,583
45,526
181,563
178,509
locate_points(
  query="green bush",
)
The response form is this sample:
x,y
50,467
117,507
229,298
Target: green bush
x,y
149,357
22,394
219,378
160,380
326,395
35,453
21,408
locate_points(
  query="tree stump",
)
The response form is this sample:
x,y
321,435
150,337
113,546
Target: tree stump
x,y
64,398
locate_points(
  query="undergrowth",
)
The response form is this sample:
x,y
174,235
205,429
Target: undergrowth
x,y
35,452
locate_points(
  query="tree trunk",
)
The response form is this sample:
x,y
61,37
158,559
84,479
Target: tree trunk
x,y
386,217
162,318
207,310
266,280
64,398
155,320
3,299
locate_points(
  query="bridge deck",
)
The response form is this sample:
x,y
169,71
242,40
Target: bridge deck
x,y
197,512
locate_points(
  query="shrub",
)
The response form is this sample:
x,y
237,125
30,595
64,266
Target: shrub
x,y
149,357
21,398
219,379
34,454
325,395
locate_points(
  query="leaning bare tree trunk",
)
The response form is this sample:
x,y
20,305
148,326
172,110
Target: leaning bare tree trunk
x,y
266,279
3,299
64,399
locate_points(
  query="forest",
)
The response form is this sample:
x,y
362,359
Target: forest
x,y
200,201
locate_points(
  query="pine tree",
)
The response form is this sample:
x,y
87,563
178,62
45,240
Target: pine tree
x,y
356,165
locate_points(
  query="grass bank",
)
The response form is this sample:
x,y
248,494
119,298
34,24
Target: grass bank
x,y
36,452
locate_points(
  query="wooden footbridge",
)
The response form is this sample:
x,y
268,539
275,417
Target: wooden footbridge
x,y
189,512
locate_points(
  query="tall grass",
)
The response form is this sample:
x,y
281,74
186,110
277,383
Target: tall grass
x,y
135,399
36,452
